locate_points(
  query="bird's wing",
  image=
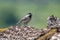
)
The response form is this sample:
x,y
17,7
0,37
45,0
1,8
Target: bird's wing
x,y
22,20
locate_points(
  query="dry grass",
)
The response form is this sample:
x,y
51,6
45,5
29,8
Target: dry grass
x,y
3,29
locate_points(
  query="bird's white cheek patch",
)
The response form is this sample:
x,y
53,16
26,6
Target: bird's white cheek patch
x,y
26,15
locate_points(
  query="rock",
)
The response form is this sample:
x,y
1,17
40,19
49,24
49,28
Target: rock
x,y
21,33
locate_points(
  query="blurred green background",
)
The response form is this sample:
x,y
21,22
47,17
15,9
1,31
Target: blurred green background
x,y
13,10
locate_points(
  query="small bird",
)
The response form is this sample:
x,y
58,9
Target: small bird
x,y
25,20
52,20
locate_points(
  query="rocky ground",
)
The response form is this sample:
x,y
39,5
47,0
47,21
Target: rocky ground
x,y
21,33
26,33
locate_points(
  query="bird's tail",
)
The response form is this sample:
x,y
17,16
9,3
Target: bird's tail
x,y
18,23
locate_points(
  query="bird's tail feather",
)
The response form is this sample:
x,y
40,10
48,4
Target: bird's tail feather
x,y
19,23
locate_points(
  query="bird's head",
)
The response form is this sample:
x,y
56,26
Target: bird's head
x,y
30,15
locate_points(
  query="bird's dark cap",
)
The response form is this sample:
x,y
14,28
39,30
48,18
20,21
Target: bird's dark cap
x,y
29,13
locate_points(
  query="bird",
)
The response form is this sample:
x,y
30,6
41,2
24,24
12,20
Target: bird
x,y
52,21
25,20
